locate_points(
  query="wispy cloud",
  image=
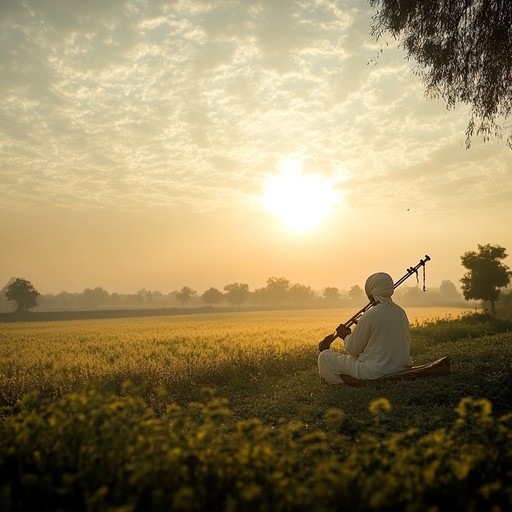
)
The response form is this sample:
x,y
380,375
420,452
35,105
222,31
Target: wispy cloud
x,y
128,103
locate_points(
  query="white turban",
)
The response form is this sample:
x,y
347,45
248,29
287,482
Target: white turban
x,y
380,286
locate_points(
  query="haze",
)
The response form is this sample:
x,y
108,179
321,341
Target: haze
x,y
137,138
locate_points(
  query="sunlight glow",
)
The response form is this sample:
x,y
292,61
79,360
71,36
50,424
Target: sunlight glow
x,y
301,200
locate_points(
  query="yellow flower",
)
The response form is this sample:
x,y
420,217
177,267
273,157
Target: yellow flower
x,y
475,408
461,468
380,406
251,491
334,417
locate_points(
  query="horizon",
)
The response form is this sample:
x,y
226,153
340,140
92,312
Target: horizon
x,y
402,289
162,145
199,291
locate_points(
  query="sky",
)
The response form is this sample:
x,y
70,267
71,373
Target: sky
x,y
159,144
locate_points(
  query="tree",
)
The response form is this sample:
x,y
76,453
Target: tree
x,y
356,293
260,296
23,293
331,294
94,298
277,290
504,304
212,296
486,274
413,296
185,295
4,303
301,294
449,292
236,293
464,53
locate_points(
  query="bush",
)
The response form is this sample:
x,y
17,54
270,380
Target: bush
x,y
97,451
469,325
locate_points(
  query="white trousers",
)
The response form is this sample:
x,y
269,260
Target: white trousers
x,y
332,363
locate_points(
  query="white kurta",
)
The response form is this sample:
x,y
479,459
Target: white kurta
x,y
379,345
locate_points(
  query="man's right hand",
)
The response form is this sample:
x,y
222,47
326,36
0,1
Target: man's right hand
x,y
343,331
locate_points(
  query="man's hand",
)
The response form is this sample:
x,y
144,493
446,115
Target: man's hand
x,y
326,342
343,331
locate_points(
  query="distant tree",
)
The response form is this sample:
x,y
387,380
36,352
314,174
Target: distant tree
x,y
504,304
277,290
486,274
356,293
155,297
236,293
135,300
412,296
144,296
116,299
463,49
449,292
65,300
212,296
185,295
23,293
260,296
301,294
331,294
94,297
4,303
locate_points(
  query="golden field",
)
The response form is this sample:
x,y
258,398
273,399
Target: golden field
x,y
176,352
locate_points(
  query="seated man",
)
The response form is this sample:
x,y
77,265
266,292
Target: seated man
x,y
380,343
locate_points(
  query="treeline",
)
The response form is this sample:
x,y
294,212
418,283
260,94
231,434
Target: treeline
x,y
279,292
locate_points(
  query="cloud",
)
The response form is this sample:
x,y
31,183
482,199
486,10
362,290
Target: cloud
x,y
191,104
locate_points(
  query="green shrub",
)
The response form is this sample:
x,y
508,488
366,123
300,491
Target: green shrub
x,y
469,325
95,451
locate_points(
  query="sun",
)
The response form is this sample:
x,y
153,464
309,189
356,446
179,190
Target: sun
x,y
300,199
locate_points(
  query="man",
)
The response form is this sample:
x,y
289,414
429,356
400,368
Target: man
x,y
380,343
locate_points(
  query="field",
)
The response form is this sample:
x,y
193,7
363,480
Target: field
x,y
227,410
244,356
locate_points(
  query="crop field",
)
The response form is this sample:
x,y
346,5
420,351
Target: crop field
x,y
236,353
227,411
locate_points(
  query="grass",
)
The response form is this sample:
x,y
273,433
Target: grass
x,y
227,412
263,363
